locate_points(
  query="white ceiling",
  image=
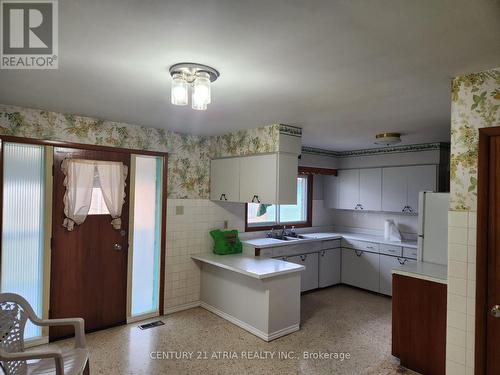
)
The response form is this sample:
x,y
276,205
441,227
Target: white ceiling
x,y
344,70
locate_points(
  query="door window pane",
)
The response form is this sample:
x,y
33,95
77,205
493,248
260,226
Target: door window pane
x,y
23,225
146,234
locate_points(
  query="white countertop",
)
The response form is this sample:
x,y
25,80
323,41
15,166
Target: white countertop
x,y
256,267
425,271
263,243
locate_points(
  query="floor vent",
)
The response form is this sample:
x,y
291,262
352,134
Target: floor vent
x,y
156,323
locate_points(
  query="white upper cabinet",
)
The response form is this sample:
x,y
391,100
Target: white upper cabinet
x,y
258,178
420,178
268,178
331,191
394,189
354,189
348,189
225,180
370,189
401,185
288,165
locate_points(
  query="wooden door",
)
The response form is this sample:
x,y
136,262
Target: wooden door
x,y
88,272
488,255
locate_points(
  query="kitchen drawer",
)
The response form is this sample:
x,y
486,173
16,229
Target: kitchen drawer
x,y
409,252
329,244
267,252
296,249
361,245
393,250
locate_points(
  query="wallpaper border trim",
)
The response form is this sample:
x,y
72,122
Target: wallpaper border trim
x,y
377,151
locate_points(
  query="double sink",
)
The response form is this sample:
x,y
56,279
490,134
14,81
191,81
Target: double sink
x,y
290,238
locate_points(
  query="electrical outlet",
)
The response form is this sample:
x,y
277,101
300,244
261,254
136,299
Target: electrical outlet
x,y
179,210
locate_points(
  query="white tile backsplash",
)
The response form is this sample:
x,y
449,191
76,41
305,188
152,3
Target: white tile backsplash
x,y
188,233
461,292
407,224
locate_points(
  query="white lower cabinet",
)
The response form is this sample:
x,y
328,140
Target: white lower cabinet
x,y
387,263
309,277
329,267
360,269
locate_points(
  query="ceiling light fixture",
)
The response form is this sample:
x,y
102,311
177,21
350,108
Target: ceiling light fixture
x,y
387,139
199,77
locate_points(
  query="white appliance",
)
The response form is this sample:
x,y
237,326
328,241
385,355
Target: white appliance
x,y
433,227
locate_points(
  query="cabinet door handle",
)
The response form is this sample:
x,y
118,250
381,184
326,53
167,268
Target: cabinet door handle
x,y
322,253
223,195
358,252
255,198
410,209
401,261
303,258
369,247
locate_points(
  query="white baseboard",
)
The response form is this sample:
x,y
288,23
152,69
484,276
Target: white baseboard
x,y
283,332
134,319
178,308
247,327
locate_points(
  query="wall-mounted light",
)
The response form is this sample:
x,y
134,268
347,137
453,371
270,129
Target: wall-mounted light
x,y
199,77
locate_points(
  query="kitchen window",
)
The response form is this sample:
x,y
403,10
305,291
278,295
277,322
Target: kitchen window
x,y
263,216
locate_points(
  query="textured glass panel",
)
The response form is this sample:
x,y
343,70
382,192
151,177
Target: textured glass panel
x,y
23,225
147,219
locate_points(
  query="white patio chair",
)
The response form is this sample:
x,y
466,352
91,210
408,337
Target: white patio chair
x,y
14,313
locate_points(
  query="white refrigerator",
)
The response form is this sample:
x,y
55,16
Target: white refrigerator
x,y
433,227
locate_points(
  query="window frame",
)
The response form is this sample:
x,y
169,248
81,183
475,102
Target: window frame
x,y
301,224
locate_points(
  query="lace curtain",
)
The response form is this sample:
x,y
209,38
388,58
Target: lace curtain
x,y
79,182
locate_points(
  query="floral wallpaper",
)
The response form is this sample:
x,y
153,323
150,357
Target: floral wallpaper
x,y
475,104
189,155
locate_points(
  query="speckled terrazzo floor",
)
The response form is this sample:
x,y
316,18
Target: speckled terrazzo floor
x,y
337,319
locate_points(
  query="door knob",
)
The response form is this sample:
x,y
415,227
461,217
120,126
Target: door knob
x,y
117,247
495,311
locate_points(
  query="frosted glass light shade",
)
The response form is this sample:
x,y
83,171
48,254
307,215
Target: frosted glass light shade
x,y
179,91
201,91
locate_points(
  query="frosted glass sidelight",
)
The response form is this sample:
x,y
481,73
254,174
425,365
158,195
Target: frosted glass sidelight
x,y
23,225
146,234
